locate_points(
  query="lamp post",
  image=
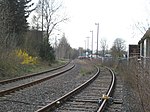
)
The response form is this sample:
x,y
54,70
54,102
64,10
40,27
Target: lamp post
x,y
85,46
88,45
42,16
92,42
97,38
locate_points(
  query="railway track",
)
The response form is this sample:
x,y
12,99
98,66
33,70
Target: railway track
x,y
2,82
86,97
12,85
32,98
117,104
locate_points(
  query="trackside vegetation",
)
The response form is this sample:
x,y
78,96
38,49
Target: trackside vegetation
x,y
26,58
22,49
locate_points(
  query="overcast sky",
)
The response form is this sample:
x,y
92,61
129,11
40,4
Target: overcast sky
x,y
115,17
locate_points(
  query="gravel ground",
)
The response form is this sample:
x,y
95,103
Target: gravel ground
x,y
126,95
32,98
131,102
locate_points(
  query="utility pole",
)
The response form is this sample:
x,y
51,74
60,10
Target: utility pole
x,y
92,42
85,46
88,45
97,38
42,16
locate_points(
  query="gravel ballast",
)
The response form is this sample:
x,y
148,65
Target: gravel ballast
x,y
32,98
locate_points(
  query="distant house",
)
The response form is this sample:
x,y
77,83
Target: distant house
x,y
144,44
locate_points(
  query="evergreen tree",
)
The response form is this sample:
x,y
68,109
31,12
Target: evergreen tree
x,y
22,13
13,17
46,51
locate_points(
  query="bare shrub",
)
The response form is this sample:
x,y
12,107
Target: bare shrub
x,y
110,62
9,63
136,76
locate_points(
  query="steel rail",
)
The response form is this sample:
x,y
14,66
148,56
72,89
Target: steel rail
x,y
109,92
60,100
31,75
8,91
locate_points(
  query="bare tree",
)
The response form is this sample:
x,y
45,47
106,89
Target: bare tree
x,y
35,21
49,14
104,46
142,26
118,48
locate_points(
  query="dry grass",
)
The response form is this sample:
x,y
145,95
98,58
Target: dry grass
x,y
87,67
138,78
